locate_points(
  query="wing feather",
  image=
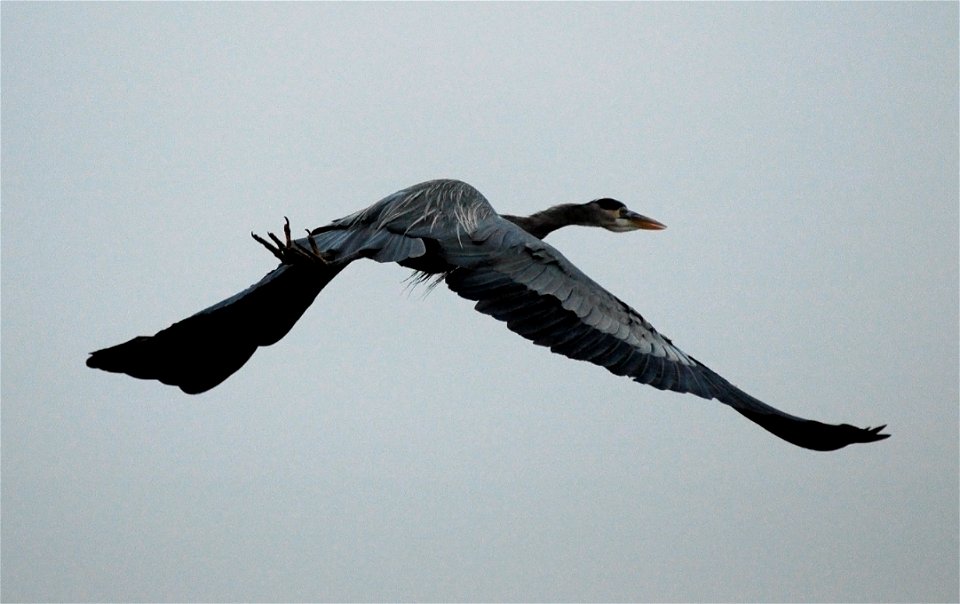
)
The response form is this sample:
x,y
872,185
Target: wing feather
x,y
543,297
201,351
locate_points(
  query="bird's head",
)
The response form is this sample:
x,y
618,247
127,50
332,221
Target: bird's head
x,y
614,216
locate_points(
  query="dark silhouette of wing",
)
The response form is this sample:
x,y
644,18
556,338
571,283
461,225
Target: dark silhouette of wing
x,y
204,349
542,296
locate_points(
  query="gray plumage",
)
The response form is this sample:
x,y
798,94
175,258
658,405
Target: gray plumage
x,y
446,228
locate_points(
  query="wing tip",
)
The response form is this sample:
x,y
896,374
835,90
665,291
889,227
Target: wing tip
x,y
873,434
845,434
104,359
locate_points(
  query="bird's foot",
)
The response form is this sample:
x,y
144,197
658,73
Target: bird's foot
x,y
289,251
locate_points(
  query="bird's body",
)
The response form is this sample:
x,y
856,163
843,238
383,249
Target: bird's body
x,y
447,228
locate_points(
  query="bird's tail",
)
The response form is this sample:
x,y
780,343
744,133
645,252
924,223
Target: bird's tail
x,y
204,349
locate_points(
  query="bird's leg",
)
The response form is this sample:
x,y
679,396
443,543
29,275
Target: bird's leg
x,y
290,251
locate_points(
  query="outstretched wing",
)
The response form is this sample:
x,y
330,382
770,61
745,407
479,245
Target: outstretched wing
x,y
201,351
204,349
542,296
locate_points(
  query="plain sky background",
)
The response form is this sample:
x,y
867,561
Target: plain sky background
x,y
397,446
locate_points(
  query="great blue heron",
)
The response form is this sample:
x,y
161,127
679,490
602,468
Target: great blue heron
x,y
447,229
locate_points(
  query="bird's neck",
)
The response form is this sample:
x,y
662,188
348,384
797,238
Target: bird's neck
x,y
543,223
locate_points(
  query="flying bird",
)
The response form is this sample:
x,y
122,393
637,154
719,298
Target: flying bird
x,y
447,230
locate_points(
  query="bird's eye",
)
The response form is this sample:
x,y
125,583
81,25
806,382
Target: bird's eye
x,y
609,204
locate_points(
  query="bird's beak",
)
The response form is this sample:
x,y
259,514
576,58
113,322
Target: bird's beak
x,y
642,222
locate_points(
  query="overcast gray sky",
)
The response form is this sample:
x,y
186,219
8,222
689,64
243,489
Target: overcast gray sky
x,y
400,447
